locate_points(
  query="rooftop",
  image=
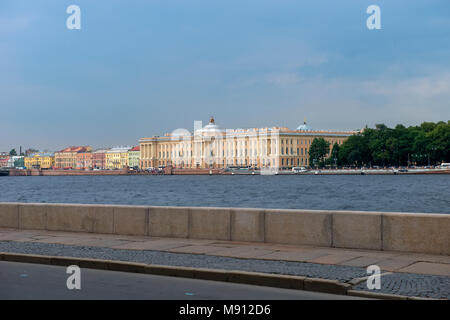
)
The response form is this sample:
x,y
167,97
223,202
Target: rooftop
x,y
77,149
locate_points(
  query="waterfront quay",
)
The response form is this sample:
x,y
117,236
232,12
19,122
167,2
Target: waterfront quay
x,y
314,250
218,171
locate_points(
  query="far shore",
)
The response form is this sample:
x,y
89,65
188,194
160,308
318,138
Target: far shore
x,y
215,171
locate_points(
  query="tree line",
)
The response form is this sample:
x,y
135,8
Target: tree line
x,y
426,144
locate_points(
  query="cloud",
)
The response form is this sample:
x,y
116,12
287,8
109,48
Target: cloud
x,y
429,86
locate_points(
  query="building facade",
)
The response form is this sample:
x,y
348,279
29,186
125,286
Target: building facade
x,y
39,161
16,162
67,158
211,147
134,156
4,158
117,158
84,160
99,159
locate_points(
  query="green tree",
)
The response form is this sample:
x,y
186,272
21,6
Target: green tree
x,y
318,151
334,160
354,151
439,148
429,142
13,152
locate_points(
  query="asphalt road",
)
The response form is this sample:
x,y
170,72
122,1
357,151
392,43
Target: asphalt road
x,y
35,281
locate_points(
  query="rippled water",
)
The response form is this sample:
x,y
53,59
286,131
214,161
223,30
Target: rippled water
x,y
405,193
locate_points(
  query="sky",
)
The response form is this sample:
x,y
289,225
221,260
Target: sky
x,y
143,68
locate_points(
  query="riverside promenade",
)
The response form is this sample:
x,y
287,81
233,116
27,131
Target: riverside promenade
x,y
334,270
316,250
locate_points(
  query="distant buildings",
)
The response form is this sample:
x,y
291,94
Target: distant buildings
x,y
75,157
206,147
4,158
39,161
134,156
16,162
84,160
117,158
99,159
212,147
68,157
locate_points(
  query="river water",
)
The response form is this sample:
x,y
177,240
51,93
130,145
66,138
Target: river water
x,y
399,193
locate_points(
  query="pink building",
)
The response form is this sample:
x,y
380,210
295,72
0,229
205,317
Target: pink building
x,y
4,160
84,160
99,159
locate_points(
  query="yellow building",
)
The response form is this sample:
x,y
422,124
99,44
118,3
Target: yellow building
x,y
211,147
39,161
117,158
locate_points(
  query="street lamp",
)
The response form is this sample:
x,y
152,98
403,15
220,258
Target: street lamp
x,y
434,152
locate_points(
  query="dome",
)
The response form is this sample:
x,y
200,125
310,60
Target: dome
x,y
304,127
180,134
210,128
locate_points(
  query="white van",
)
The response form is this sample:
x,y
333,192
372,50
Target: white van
x,y
445,165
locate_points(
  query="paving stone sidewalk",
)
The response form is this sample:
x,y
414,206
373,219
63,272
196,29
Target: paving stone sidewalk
x,y
407,274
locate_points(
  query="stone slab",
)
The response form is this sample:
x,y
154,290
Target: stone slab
x,y
293,227
9,215
424,233
33,216
441,269
209,223
361,261
102,219
61,217
247,225
130,220
293,256
168,222
359,231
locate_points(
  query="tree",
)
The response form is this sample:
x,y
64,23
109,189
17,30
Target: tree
x,y
354,151
318,151
334,160
13,152
439,147
427,143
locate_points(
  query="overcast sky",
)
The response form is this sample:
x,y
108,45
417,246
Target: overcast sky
x,y
143,68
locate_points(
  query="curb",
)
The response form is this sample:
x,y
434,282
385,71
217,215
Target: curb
x,y
376,295
384,296
243,277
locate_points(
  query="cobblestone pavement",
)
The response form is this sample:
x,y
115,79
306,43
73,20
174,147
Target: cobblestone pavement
x,y
410,284
407,284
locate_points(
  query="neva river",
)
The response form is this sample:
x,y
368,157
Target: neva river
x,y
405,193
